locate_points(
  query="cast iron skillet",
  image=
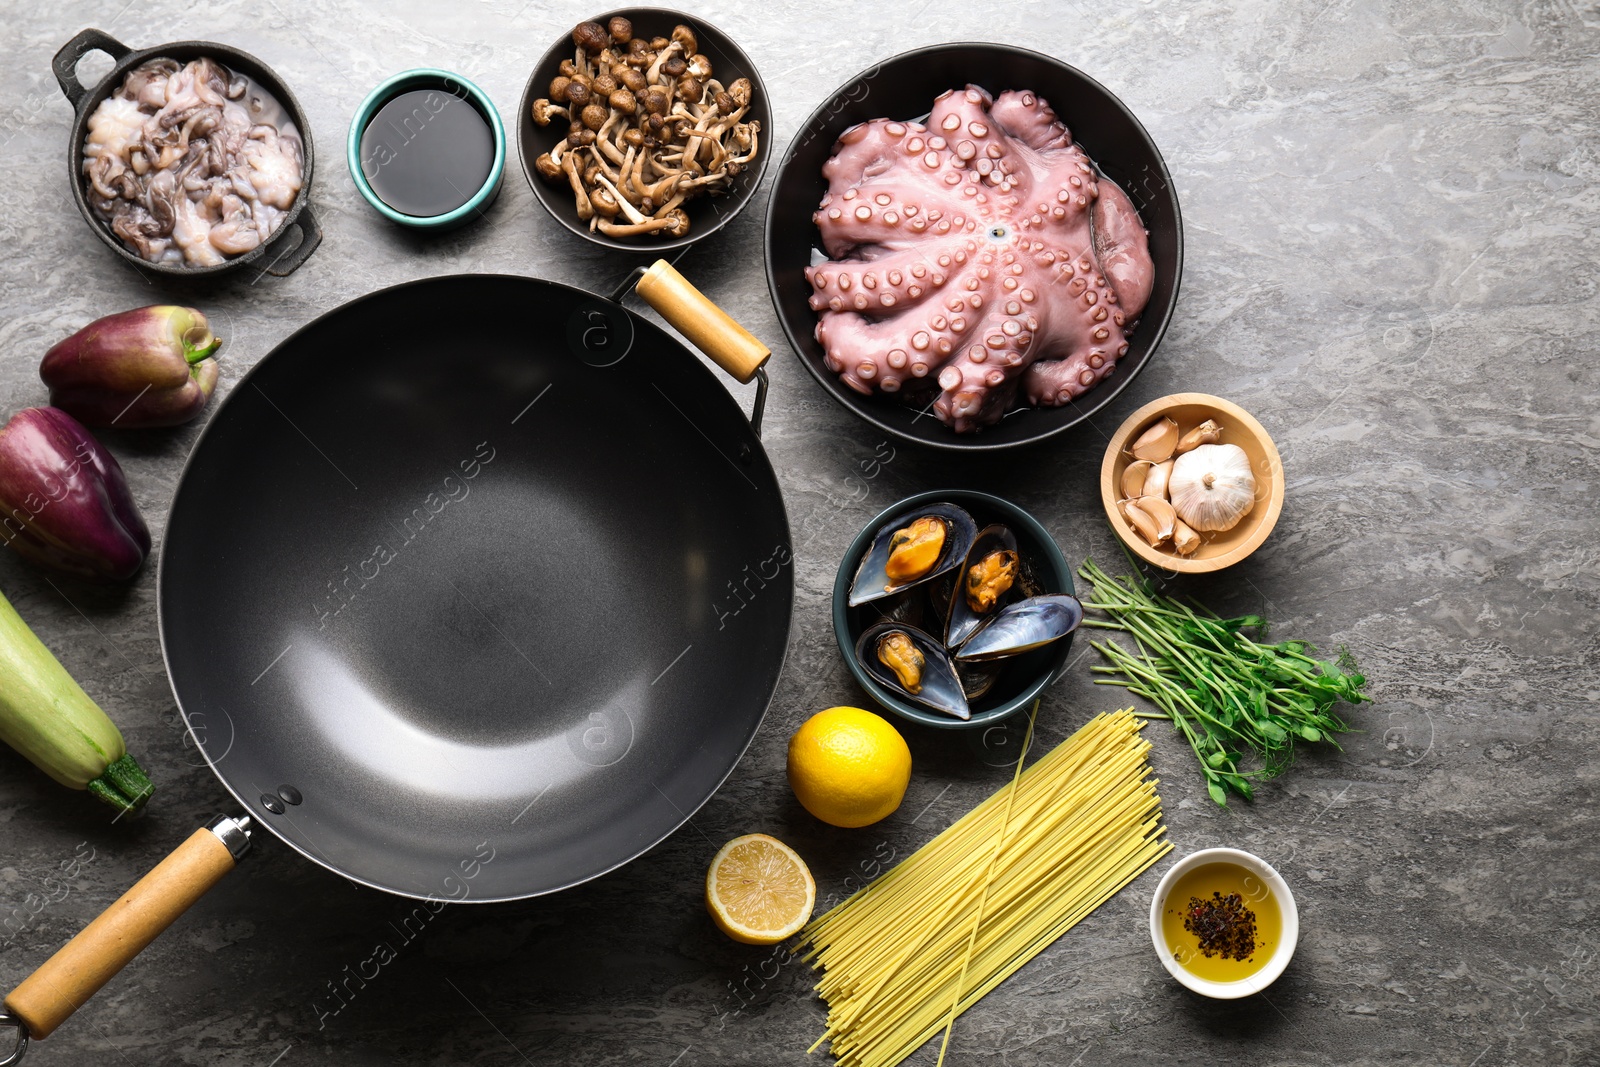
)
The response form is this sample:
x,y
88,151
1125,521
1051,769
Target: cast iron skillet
x,y
905,87
473,589
272,255
707,214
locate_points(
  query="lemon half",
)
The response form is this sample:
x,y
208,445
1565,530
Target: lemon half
x,y
759,890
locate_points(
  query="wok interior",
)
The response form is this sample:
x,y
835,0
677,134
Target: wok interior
x,y
457,623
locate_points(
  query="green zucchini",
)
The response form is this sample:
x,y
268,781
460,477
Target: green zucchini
x,y
46,716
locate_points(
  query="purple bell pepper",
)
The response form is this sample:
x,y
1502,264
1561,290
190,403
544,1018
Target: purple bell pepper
x,y
64,502
151,366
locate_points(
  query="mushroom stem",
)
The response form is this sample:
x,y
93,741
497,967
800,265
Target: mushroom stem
x,y
569,163
644,226
653,75
628,209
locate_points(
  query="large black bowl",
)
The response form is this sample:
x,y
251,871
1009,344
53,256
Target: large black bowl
x,y
904,88
707,214
274,255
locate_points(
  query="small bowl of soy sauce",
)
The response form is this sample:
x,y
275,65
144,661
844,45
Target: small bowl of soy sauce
x,y
427,150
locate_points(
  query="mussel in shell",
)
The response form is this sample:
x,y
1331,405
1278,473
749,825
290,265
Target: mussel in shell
x,y
913,665
900,654
1023,627
914,548
987,580
990,578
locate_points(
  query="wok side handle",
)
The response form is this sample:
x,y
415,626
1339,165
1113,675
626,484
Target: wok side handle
x,y
709,328
76,972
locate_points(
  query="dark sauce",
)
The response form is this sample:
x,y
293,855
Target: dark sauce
x,y
427,151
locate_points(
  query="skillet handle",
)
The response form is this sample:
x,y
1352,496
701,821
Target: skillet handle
x,y
65,63
709,328
78,970
310,238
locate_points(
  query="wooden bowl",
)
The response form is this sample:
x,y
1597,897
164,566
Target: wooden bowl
x,y
1223,548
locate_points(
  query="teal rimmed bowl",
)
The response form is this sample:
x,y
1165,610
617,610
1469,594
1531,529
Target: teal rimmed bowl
x,y
455,85
1025,676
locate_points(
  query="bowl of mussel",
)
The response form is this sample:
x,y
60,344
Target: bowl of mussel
x,y
954,609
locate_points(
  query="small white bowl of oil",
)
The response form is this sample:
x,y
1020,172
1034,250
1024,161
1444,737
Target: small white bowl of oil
x,y
1224,923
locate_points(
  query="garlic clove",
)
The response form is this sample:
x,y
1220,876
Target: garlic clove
x,y
1207,433
1155,483
1212,487
1184,539
1158,442
1133,478
1143,521
1162,512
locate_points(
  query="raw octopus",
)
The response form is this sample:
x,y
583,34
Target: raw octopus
x,y
191,164
983,249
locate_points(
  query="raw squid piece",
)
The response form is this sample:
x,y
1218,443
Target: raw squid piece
x,y
191,164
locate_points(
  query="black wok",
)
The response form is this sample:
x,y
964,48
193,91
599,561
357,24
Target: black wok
x,y
482,587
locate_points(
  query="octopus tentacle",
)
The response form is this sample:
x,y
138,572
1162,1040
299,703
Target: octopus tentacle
x,y
1029,118
1123,247
889,353
887,217
886,283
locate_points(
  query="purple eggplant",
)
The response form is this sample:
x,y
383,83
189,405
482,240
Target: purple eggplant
x,y
151,366
63,500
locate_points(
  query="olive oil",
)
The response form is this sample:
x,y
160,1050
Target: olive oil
x,y
1216,913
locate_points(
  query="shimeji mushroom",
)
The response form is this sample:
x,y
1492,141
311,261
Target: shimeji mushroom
x,y
649,127
673,224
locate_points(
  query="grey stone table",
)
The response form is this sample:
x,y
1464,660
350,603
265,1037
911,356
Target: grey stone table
x,y
1392,262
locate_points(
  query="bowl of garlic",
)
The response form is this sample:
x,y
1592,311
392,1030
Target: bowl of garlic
x,y
1192,483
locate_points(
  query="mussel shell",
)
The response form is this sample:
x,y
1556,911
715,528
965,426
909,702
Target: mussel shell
x,y
908,607
941,689
871,580
961,620
978,678
1023,627
937,592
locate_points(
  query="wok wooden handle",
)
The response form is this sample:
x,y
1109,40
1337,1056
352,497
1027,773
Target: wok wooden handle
x,y
709,328
76,972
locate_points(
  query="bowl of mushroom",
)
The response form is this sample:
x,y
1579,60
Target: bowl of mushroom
x,y
644,130
1192,483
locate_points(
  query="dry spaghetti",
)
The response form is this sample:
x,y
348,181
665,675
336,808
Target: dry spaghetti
x,y
903,957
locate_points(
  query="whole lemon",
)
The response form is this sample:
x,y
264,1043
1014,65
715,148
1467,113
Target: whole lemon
x,y
848,767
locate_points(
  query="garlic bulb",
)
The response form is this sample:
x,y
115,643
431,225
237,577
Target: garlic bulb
x,y
1212,487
